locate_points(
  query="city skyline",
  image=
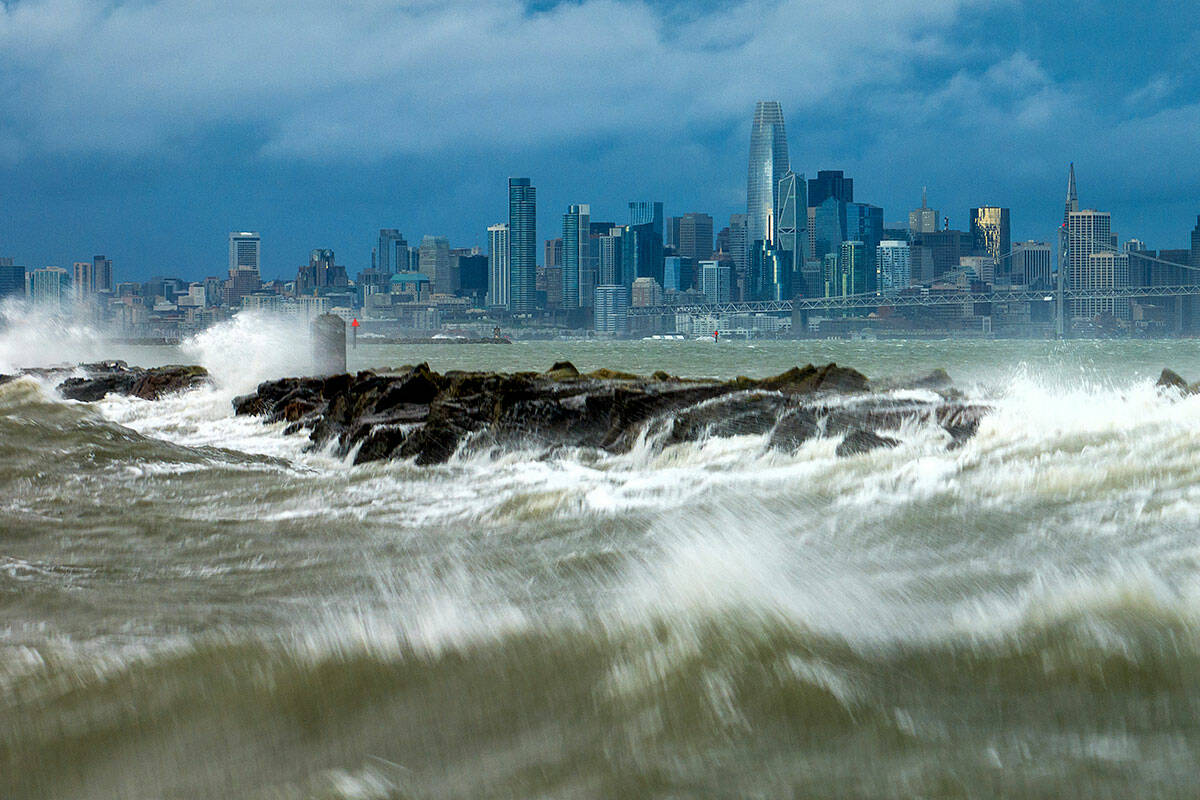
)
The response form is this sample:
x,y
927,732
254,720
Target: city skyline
x,y
980,102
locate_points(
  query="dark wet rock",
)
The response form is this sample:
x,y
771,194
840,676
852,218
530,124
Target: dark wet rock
x,y
115,377
860,441
1169,379
416,413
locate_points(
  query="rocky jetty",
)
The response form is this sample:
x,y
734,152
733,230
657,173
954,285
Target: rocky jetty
x,y
418,413
117,377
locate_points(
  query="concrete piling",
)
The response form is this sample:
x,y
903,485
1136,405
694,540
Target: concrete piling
x,y
329,345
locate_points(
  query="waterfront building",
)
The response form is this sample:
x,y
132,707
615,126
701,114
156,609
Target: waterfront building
x,y
499,269
522,245
893,266
768,164
611,312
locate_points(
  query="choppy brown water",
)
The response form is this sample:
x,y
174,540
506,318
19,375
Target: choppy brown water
x,y
192,607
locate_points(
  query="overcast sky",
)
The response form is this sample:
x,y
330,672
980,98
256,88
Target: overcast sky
x,y
148,130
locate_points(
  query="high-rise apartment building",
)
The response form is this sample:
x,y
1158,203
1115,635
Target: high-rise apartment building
x,y
611,312
522,245
716,281
50,286
81,280
578,282
850,276
609,249
645,292
102,281
499,269
991,236
893,266
769,162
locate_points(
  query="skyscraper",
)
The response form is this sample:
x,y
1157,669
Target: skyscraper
x,y
522,245
612,308
435,263
576,252
391,256
12,279
893,266
1032,264
244,275
830,183
768,164
499,271
50,286
243,251
864,223
643,212
82,282
642,243
694,236
923,219
101,274
1091,262
990,234
739,247
793,220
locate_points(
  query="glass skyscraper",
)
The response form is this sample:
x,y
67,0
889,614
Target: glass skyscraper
x,y
768,164
576,257
792,236
522,245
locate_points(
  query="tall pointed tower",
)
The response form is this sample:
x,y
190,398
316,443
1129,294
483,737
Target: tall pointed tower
x,y
768,164
1072,196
